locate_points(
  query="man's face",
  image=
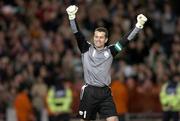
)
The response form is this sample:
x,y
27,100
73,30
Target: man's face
x,y
99,39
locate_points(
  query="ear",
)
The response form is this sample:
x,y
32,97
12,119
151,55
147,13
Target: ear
x,y
106,40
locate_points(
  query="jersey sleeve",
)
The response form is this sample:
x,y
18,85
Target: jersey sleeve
x,y
123,42
83,44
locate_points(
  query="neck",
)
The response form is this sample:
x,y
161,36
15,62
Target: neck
x,y
99,48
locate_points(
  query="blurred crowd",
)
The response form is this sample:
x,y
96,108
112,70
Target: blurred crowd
x,y
37,47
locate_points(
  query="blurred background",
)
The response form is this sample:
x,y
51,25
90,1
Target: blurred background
x,y
40,63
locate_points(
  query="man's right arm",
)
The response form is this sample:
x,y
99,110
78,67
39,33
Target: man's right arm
x,y
81,41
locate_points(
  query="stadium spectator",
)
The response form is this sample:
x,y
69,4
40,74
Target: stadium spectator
x,y
170,98
120,97
23,105
59,100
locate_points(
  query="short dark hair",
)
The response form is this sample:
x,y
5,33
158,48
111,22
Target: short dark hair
x,y
102,29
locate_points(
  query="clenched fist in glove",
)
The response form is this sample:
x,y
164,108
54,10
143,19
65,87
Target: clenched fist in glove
x,y
71,10
141,19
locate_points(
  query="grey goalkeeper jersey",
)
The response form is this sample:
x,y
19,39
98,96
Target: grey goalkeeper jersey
x,y
97,63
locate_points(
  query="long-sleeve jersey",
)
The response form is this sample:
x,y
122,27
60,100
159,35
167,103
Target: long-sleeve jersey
x,y
97,63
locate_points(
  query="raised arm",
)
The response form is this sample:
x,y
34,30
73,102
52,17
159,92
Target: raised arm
x,y
81,41
123,42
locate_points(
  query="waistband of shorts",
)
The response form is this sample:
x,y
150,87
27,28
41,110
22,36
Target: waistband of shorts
x,y
97,86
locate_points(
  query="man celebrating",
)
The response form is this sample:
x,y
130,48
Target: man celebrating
x,y
97,59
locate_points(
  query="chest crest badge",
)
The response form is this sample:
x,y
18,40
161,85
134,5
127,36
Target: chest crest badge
x,y
106,54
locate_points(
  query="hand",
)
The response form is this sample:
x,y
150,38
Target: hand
x,y
141,19
71,11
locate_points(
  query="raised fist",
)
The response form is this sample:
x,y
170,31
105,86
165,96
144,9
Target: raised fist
x,y
141,19
71,11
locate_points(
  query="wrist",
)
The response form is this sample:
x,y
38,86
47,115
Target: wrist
x,y
138,25
72,16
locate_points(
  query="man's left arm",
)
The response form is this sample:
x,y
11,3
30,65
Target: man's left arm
x,y
123,42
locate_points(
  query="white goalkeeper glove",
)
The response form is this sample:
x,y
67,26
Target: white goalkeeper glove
x,y
141,19
71,11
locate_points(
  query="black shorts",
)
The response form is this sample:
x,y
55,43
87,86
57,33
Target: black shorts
x,y
95,100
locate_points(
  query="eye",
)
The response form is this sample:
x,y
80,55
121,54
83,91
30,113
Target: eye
x,y
102,37
97,37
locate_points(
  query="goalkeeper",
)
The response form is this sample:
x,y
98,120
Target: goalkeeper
x,y
97,59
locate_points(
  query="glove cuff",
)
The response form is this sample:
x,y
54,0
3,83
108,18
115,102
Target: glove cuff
x,y
138,25
72,16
